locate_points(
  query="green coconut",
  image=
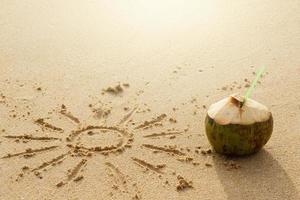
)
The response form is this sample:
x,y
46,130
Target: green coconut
x,y
235,127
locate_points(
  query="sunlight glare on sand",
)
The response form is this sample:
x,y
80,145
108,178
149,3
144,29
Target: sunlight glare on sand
x,y
156,15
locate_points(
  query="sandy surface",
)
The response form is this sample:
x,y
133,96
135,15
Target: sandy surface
x,y
139,141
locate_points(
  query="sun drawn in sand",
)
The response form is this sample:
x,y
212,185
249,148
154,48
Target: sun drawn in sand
x,y
123,136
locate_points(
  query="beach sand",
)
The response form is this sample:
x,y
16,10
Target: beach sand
x,y
107,100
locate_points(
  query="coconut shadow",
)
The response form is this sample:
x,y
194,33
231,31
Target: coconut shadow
x,y
260,178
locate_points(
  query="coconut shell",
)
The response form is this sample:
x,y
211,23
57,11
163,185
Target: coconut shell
x,y
235,139
246,131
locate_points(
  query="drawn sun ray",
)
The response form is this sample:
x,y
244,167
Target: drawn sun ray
x,y
128,116
31,151
73,173
123,182
51,162
41,122
169,133
119,176
30,137
147,124
155,168
69,115
164,149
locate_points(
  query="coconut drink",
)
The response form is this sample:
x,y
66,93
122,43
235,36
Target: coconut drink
x,y
238,127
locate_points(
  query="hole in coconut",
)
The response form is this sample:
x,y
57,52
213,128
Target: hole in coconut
x,y
237,101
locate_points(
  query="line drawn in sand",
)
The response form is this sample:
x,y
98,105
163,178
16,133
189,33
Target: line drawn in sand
x,y
29,151
148,166
41,122
30,137
122,183
73,173
170,133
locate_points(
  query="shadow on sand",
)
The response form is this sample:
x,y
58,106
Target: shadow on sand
x,y
260,178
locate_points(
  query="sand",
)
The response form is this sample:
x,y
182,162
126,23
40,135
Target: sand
x,y
107,100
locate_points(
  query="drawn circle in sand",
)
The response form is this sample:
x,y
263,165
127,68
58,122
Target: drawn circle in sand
x,y
100,139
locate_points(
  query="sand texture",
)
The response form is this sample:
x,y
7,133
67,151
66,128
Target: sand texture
x,y
107,99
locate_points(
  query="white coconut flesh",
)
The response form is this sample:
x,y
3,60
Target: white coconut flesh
x,y
229,111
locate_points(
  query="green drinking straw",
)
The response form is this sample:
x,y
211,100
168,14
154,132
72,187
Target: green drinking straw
x,y
253,85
